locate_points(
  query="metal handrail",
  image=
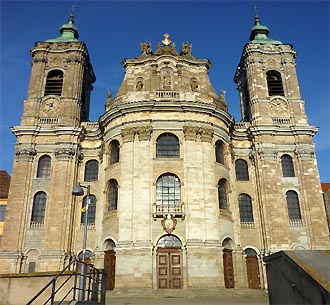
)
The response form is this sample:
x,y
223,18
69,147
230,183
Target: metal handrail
x,y
94,293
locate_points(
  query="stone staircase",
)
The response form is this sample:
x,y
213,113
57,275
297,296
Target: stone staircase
x,y
184,293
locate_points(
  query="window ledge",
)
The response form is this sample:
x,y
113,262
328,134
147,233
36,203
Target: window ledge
x,y
90,226
247,225
295,223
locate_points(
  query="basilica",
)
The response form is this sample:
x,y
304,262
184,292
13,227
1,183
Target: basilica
x,y
177,194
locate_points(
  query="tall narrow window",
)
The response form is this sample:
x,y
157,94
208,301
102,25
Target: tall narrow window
x,y
168,193
219,152
167,146
287,166
245,208
114,152
91,170
91,209
274,83
39,207
54,83
241,168
2,212
44,164
222,194
113,195
293,205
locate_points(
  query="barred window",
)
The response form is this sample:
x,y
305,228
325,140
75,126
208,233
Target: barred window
x,y
245,208
91,170
113,195
222,194
167,146
293,205
274,83
39,207
54,83
287,166
241,168
91,209
44,165
168,193
219,152
114,152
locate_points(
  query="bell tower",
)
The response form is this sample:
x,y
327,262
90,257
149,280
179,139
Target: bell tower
x,y
47,155
267,81
61,81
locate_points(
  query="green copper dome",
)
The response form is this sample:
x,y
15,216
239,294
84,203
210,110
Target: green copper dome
x,y
259,34
69,32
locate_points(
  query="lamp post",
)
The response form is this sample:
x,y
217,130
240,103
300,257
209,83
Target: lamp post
x,y
78,191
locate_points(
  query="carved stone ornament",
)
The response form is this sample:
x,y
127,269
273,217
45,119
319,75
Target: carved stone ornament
x,y
144,132
145,48
305,153
169,223
26,154
191,133
64,154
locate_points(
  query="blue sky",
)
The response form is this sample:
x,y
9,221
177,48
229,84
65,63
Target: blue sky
x,y
218,30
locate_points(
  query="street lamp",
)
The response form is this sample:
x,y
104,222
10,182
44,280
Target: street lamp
x,y
78,191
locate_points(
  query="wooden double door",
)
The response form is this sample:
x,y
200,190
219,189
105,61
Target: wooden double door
x,y
110,268
169,268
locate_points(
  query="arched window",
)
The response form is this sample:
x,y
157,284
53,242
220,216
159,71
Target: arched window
x,y
287,166
91,209
43,170
91,170
293,205
168,194
219,152
54,83
169,241
167,146
39,207
274,83
242,172
114,152
113,195
222,194
245,208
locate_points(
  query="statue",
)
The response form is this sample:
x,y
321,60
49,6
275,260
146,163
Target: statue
x,y
193,84
139,84
186,49
145,48
109,100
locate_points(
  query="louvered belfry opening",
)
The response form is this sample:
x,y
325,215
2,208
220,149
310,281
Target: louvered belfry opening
x,y
54,83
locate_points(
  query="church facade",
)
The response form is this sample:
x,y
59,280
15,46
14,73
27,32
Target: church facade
x,y
179,194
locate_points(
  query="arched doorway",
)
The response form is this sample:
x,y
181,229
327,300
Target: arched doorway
x,y
169,262
110,263
88,259
228,267
252,268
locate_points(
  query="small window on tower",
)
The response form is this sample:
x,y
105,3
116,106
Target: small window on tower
x,y
274,83
54,83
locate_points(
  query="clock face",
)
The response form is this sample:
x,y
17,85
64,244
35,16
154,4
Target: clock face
x,y
49,105
278,106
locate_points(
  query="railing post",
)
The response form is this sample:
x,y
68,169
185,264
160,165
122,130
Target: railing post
x,y
75,281
104,275
53,292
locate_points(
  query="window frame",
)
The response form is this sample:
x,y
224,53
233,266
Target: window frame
x,y
113,195
91,171
287,166
245,208
114,152
167,146
91,210
293,205
168,193
241,170
54,82
223,194
39,207
219,152
44,167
